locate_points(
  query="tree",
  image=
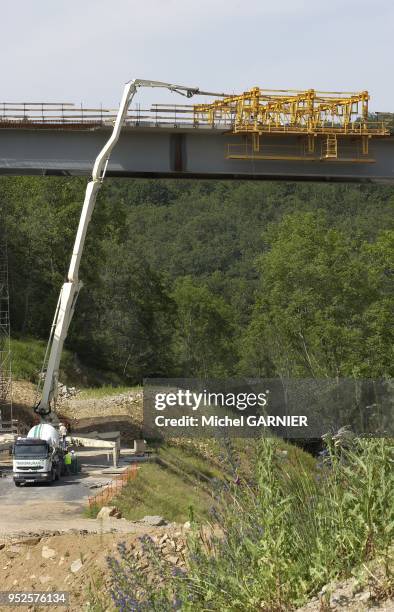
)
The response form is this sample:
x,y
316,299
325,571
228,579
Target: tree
x,y
320,301
126,319
204,335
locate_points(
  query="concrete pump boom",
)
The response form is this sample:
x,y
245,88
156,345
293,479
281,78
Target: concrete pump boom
x,y
70,289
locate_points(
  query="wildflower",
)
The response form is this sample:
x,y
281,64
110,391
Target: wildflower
x,y
177,603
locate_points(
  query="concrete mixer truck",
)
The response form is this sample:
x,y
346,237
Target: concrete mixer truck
x,y
39,457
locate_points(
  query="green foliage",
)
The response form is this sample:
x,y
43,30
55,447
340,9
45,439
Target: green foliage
x,y
28,355
125,322
157,490
208,278
92,511
27,359
105,391
324,302
277,540
189,462
204,331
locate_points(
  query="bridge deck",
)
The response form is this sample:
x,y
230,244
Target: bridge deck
x,y
179,149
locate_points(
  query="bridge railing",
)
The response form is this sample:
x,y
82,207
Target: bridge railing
x,y
65,115
13,114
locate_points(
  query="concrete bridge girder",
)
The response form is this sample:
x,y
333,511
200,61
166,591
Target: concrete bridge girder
x,y
175,152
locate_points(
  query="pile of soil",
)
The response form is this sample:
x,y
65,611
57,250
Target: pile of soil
x,y
23,399
121,412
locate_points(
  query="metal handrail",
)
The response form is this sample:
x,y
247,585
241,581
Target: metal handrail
x,y
66,114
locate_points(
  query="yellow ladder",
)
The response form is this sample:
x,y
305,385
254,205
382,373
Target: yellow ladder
x,y
331,151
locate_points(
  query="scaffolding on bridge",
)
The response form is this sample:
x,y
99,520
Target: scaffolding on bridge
x,y
6,415
321,119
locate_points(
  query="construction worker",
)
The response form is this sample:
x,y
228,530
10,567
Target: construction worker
x,y
63,434
67,462
74,462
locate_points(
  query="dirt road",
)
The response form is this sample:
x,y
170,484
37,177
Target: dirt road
x,y
60,506
34,508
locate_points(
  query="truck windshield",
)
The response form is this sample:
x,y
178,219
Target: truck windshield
x,y
31,451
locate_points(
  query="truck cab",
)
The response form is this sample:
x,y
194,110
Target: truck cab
x,y
36,460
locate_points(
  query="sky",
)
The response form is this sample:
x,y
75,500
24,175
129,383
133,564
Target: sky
x,y
85,50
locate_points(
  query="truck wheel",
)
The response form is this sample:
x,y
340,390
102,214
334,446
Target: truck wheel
x,y
17,484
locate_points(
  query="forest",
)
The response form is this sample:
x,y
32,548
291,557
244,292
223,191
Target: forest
x,y
209,278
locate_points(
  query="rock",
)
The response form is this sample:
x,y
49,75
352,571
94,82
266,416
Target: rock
x,y
364,596
27,542
13,551
187,525
172,559
154,521
143,565
48,553
76,566
98,485
107,511
66,392
2,546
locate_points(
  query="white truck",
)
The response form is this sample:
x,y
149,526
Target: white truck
x,y
39,457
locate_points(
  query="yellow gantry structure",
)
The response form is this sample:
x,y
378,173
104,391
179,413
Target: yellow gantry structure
x,y
329,125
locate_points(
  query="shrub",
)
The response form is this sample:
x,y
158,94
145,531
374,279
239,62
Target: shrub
x,y
276,541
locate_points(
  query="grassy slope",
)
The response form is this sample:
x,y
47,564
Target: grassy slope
x,y
157,490
106,391
186,481
27,356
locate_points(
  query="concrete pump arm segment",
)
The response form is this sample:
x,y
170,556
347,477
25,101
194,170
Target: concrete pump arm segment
x,y
70,289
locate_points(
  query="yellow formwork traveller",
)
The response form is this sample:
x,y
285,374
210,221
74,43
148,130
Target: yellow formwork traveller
x,y
337,121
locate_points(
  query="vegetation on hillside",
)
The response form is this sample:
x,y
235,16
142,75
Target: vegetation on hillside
x,y
159,491
188,278
220,279
276,541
